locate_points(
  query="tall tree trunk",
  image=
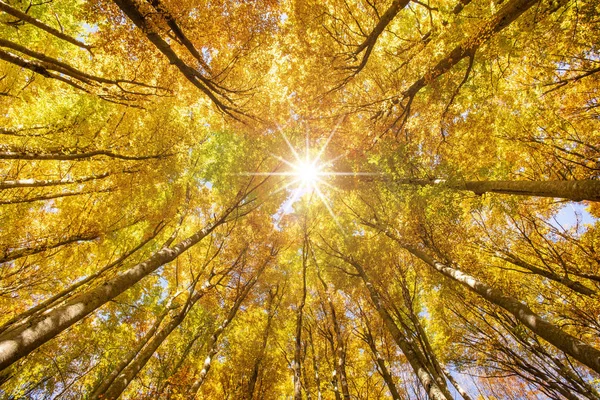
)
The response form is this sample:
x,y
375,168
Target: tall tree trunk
x,y
51,196
47,304
214,339
35,183
215,92
383,370
563,280
456,385
189,304
411,353
35,22
106,381
271,307
494,24
20,342
339,349
315,365
112,388
571,190
297,370
335,383
579,350
18,153
430,356
49,245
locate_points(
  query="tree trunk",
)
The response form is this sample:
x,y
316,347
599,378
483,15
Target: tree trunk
x,y
27,18
504,17
564,280
46,304
12,153
29,251
19,183
20,342
213,342
410,352
105,382
263,345
383,370
456,385
315,365
299,316
579,350
214,92
53,196
111,389
571,190
339,348
430,358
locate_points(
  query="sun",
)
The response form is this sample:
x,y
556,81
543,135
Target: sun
x,y
308,174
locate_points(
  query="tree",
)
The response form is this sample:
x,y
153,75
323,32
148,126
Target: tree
x,y
312,199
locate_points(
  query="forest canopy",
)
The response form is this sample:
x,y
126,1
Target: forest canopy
x,y
307,199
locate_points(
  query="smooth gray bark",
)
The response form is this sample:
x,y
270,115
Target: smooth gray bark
x,y
20,342
572,190
296,367
271,308
564,280
379,360
579,350
20,183
413,358
47,304
106,381
214,339
113,389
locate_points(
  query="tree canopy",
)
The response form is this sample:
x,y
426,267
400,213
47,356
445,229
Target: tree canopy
x,y
307,199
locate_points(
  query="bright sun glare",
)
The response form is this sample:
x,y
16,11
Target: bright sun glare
x,y
308,175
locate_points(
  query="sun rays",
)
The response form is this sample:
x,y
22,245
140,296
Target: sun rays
x,y
307,174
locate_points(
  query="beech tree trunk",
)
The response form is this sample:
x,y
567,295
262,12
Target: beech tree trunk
x,y
315,362
571,190
47,304
410,352
564,280
111,389
271,307
214,339
20,342
500,20
213,91
105,382
299,316
20,183
430,357
27,18
456,385
339,347
29,251
15,153
579,350
379,360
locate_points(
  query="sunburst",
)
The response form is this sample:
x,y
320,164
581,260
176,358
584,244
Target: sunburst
x,y
307,175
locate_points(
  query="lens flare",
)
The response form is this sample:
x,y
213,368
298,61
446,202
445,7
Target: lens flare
x,y
308,174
